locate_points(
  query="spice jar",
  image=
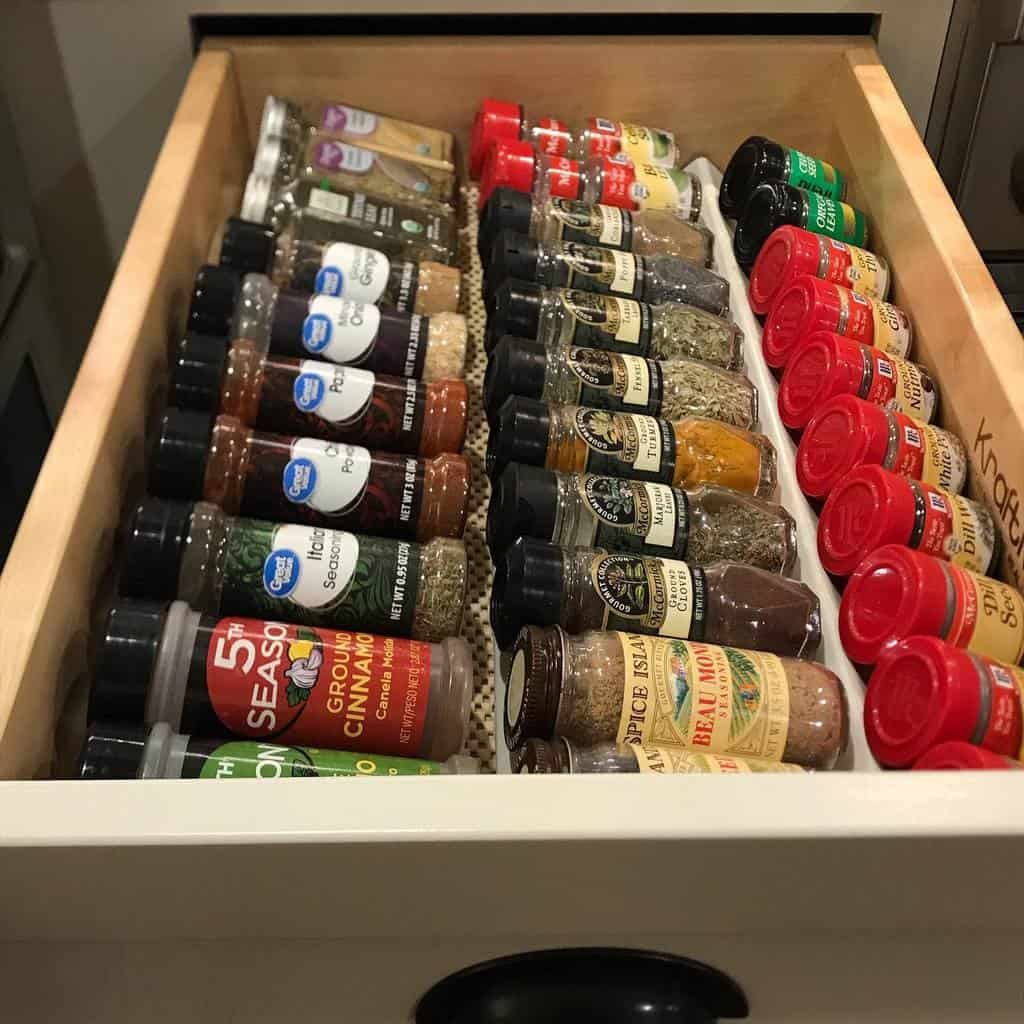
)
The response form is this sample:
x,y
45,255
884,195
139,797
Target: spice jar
x,y
954,756
591,268
121,751
758,160
685,453
792,252
847,432
497,121
706,524
306,480
810,304
871,507
554,220
643,690
263,680
560,757
669,330
924,691
306,574
608,380
308,398
827,365
897,592
541,584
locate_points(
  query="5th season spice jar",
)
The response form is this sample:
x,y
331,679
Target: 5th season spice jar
x,y
306,480
703,525
541,584
261,680
720,700
685,453
309,574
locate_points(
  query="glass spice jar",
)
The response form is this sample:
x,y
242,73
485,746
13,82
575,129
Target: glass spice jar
x,y
703,525
306,480
600,379
567,316
308,574
259,680
307,398
541,584
684,453
605,686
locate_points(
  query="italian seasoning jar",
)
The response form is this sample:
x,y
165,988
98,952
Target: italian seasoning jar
x,y
623,383
706,524
541,584
307,574
307,480
684,453
627,688
262,680
567,316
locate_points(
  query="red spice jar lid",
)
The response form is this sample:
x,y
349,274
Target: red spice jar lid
x,y
894,593
806,305
844,433
509,164
495,119
959,756
826,365
789,253
868,508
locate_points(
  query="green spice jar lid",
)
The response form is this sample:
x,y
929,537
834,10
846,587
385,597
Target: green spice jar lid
x,y
534,685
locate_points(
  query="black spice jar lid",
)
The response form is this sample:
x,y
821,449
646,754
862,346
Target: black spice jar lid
x,y
534,685
506,209
527,589
513,308
763,212
198,372
524,503
519,434
214,295
157,535
744,172
517,366
177,464
514,256
542,757
247,246
113,751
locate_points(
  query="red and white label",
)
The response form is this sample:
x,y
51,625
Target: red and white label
x,y
617,178
927,453
552,136
1003,729
987,617
563,177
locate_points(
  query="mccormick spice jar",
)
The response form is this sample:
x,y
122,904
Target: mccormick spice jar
x,y
897,592
308,574
121,751
847,432
810,305
261,680
954,756
924,691
827,365
706,524
541,584
871,507
307,480
609,380
685,453
641,690
308,398
792,252
560,757
568,316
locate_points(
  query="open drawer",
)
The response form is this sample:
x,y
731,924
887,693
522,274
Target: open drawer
x,y
829,897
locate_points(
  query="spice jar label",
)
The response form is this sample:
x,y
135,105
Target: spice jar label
x,y
716,699
640,446
606,380
1000,712
987,616
340,330
322,576
663,188
339,394
244,759
677,761
327,477
892,331
813,175
631,516
952,527
894,383
634,141
865,273
331,155
353,272
599,270
928,453
327,687
603,320
589,222
655,595
336,117
830,217
552,136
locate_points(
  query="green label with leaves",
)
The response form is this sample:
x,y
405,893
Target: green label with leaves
x,y
841,221
814,175
320,577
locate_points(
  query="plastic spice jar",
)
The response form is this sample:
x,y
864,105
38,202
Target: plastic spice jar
x,y
810,304
924,692
871,507
791,252
897,592
954,756
259,679
827,365
721,700
847,432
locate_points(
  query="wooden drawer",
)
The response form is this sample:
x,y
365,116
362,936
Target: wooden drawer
x,y
828,894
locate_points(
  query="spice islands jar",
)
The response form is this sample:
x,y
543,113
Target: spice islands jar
x,y
260,680
606,686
